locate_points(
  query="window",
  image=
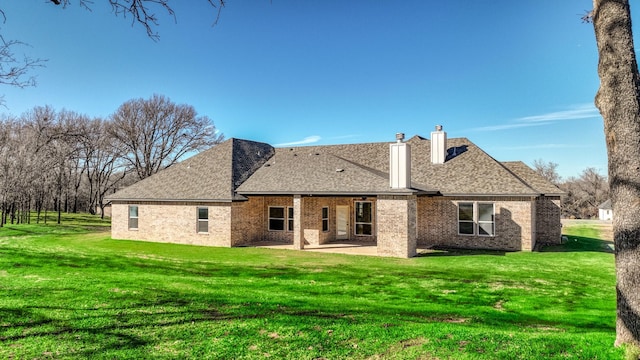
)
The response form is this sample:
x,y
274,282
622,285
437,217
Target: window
x,y
465,219
485,219
325,219
363,218
133,217
279,216
289,219
203,220
276,218
473,215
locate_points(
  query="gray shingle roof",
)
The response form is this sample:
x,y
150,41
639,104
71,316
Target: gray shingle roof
x,y
467,171
532,178
316,170
211,175
606,205
240,167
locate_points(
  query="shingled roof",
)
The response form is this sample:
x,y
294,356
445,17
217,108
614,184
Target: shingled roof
x,y
364,169
319,170
212,175
532,178
238,168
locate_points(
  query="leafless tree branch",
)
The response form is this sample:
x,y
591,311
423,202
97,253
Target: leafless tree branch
x,y
141,11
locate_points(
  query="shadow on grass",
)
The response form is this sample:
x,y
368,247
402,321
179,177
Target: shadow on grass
x,y
135,311
435,252
573,243
23,230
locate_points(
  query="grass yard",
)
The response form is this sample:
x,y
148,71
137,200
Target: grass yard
x,y
71,292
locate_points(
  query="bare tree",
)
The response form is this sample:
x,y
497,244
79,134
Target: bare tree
x,y
618,100
156,133
141,11
584,194
548,170
15,70
105,168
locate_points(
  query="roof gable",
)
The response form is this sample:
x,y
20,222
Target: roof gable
x,y
211,175
529,176
606,205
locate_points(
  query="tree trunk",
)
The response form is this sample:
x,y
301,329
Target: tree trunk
x,y
618,100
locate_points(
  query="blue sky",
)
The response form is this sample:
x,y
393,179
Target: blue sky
x,y
517,78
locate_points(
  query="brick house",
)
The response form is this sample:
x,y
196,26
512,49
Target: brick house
x,y
434,192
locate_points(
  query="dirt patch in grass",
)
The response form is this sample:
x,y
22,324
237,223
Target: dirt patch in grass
x,y
405,345
606,231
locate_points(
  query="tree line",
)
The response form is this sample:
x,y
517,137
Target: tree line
x,y
68,162
583,193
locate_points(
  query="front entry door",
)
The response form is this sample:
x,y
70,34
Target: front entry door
x,y
342,222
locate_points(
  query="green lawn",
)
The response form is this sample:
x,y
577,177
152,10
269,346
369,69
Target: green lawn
x,y
71,292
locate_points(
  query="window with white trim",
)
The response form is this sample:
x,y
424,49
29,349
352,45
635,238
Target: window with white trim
x,y
486,219
276,218
133,217
476,218
364,218
325,219
203,219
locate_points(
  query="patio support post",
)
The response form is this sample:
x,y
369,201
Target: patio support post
x,y
397,225
298,232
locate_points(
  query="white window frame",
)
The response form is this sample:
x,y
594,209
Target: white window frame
x,y
202,221
476,218
355,218
137,217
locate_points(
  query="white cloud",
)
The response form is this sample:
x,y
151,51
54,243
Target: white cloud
x,y
308,140
505,126
582,111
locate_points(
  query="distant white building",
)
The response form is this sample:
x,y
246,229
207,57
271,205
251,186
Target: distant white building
x,y
605,212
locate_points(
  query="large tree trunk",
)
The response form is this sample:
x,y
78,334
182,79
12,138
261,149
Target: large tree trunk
x,y
618,100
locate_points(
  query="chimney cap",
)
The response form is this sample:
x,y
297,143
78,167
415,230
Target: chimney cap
x,y
438,127
399,136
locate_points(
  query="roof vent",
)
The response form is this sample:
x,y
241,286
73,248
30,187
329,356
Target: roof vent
x,y
339,170
399,137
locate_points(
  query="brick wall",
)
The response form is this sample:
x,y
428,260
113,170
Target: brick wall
x,y
250,219
173,223
397,217
549,228
438,223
